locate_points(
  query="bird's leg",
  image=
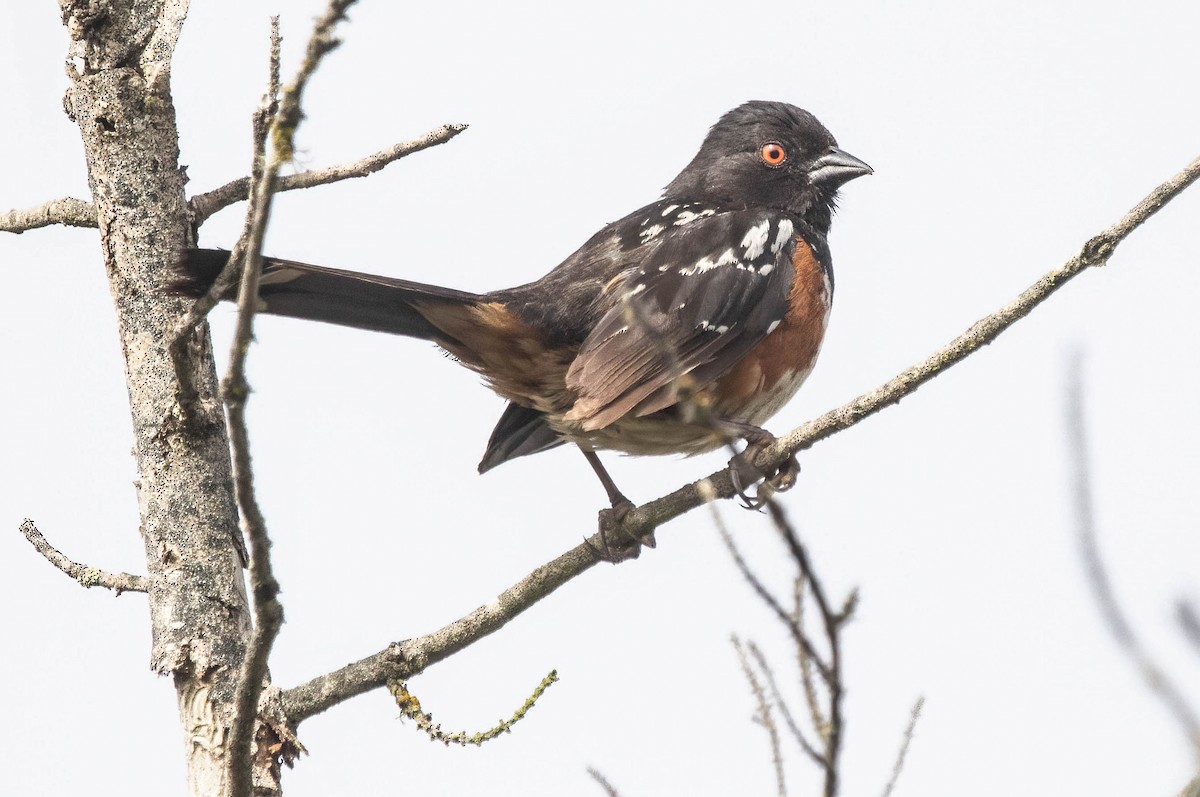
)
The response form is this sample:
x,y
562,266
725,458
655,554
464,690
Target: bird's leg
x,y
610,519
742,470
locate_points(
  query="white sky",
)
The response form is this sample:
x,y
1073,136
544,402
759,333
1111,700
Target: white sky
x,y
1002,138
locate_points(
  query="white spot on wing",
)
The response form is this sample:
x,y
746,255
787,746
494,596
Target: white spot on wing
x,y
756,239
781,237
727,258
669,209
650,232
687,216
774,325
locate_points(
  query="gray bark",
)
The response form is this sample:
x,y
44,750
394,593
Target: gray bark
x,y
120,98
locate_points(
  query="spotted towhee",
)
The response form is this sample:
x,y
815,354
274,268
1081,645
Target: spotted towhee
x,y
685,324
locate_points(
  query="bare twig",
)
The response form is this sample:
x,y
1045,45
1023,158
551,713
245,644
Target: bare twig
x,y
68,211
831,623
410,707
406,658
763,717
277,121
268,612
86,576
1159,683
804,661
597,776
904,745
764,594
781,704
205,205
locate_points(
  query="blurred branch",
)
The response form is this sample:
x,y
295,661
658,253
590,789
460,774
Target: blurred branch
x,y
598,776
817,720
1156,679
763,716
204,205
1185,614
86,576
67,211
904,744
826,720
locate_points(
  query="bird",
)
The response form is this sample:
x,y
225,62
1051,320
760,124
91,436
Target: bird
x,y
680,327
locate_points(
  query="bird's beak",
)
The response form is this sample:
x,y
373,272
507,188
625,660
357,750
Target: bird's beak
x,y
836,167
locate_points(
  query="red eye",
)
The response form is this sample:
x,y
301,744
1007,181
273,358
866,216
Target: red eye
x,y
772,154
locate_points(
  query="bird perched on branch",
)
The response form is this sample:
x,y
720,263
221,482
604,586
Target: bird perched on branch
x,y
683,325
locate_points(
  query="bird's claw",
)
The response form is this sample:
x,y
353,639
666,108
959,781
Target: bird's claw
x,y
629,546
742,467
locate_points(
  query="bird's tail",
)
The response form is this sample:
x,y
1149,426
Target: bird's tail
x,y
346,298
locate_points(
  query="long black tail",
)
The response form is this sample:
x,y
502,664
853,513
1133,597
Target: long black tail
x,y
316,293
381,304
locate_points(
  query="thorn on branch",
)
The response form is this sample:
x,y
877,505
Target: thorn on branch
x,y
410,707
85,575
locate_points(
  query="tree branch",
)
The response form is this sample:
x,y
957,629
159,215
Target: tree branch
x,y
276,121
763,716
404,659
1156,679
268,611
205,205
69,211
905,743
86,576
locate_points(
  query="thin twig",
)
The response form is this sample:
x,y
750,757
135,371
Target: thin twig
x,y
831,623
805,662
597,776
204,205
86,576
410,707
404,659
781,704
268,612
904,745
763,717
68,211
277,120
1156,679
765,595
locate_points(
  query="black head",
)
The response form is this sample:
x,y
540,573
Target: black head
x,y
769,154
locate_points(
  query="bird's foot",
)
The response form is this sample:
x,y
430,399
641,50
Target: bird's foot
x,y
744,473
617,544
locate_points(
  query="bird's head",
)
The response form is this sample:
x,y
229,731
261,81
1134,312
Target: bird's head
x,y
769,154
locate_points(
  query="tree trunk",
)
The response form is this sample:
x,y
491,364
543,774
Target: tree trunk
x,y
120,97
